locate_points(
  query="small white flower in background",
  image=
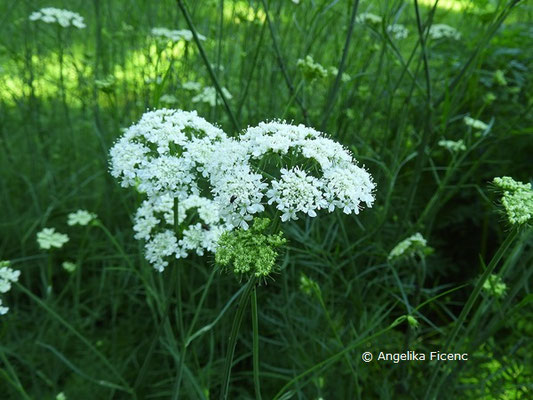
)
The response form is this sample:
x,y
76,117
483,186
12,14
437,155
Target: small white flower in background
x,y
475,123
80,217
69,266
168,99
65,18
157,80
7,277
398,31
61,396
175,35
517,199
415,244
192,86
106,84
209,95
443,31
368,18
48,238
452,145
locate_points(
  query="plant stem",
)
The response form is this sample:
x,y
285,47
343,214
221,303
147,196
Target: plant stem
x,y
335,88
281,64
255,324
233,336
466,310
208,65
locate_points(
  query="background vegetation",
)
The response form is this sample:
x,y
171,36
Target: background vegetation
x,y
115,329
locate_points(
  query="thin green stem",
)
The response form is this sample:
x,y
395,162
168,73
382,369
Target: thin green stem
x,y
255,324
218,88
233,336
466,310
336,357
86,342
281,64
330,103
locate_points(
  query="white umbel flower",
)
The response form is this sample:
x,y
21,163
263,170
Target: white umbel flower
x,y
368,18
48,238
452,145
398,31
475,123
65,18
209,95
162,245
155,219
443,31
165,152
7,277
175,35
412,245
339,182
80,217
296,192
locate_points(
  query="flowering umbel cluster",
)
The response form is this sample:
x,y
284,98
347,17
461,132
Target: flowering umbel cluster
x,y
52,15
218,183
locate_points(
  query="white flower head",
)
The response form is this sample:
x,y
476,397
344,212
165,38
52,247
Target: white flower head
x,y
48,238
192,86
80,217
164,152
336,181
7,277
452,145
175,35
368,18
154,223
295,192
398,31
209,95
64,18
69,266
475,123
443,31
415,244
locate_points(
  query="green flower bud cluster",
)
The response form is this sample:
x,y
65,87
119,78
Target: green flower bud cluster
x,y
517,199
495,286
250,251
310,69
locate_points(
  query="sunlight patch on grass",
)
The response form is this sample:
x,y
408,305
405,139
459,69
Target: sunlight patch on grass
x,y
452,5
241,11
